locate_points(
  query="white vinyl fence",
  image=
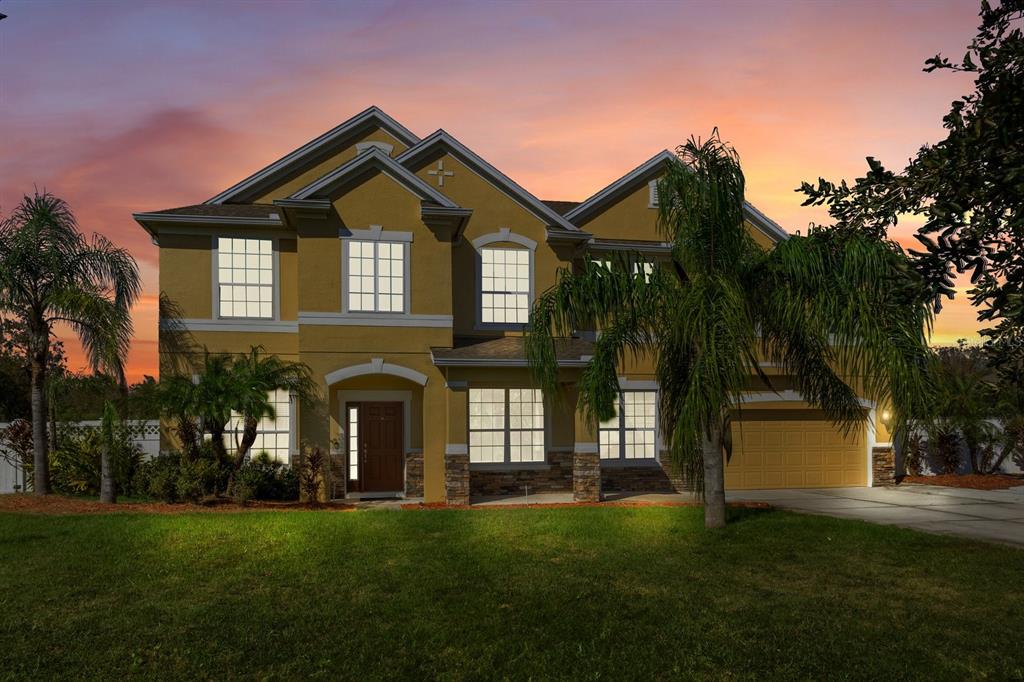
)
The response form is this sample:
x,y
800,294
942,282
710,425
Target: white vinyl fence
x,y
12,477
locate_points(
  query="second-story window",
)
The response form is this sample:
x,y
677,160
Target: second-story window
x,y
376,277
245,277
505,286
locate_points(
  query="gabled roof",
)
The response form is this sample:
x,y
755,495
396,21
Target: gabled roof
x,y
369,160
372,117
441,139
646,172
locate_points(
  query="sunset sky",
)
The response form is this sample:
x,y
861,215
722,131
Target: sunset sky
x,y
132,106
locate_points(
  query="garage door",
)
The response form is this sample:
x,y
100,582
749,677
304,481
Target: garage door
x,y
777,452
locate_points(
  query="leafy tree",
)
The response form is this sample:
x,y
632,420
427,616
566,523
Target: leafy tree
x,y
829,309
50,274
969,186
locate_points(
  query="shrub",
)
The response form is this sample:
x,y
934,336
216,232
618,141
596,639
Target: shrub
x,y
75,465
158,477
16,447
312,473
173,477
265,479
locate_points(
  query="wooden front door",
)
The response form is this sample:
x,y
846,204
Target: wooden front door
x,y
382,455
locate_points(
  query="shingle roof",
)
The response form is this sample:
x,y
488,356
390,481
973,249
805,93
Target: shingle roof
x,y
509,350
560,207
224,210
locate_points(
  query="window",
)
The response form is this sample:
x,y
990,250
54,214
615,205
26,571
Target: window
x,y
631,433
353,443
646,268
376,277
273,435
245,277
506,425
504,286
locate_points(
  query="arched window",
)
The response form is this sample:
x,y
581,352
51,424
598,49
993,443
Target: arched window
x,y
505,278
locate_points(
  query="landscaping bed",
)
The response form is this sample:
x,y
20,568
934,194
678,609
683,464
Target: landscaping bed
x,y
975,481
572,593
61,504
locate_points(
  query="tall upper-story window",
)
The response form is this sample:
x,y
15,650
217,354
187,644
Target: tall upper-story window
x,y
376,276
245,277
504,278
505,286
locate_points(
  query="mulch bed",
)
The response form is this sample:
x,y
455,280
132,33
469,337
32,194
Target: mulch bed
x,y
569,505
59,504
26,503
975,481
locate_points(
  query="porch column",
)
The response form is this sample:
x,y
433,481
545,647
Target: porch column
x,y
883,466
586,461
456,450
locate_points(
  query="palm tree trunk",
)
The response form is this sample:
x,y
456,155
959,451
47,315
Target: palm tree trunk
x,y
40,455
714,480
108,495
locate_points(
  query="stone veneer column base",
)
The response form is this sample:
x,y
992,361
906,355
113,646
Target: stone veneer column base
x,y
414,474
586,477
883,466
456,479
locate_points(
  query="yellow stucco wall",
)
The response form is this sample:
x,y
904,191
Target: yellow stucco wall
x,y
186,274
632,218
493,209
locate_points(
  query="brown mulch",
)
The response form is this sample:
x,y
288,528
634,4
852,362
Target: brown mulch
x,y
976,481
570,505
27,503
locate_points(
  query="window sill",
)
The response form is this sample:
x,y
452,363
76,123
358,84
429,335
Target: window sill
x,y
630,464
509,466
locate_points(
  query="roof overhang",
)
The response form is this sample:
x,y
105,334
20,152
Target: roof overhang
x,y
363,121
155,223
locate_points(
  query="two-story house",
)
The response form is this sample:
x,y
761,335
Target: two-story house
x,y
401,270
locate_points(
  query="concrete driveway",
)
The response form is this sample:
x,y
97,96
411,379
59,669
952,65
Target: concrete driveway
x,y
995,515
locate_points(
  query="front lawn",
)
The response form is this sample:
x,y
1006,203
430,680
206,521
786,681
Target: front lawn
x,y
582,593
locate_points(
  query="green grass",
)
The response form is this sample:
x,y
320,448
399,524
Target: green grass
x,y
583,593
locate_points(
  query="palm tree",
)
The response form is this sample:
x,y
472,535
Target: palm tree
x,y
830,310
51,274
258,375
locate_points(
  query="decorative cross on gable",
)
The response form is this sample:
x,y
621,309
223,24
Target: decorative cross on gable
x,y
441,173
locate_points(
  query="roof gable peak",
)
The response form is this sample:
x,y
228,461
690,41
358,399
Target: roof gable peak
x,y
372,115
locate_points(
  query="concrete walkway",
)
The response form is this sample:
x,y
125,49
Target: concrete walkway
x,y
994,515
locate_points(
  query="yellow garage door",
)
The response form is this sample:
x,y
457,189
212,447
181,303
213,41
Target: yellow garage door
x,y
794,453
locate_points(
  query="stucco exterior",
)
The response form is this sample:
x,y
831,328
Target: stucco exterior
x,y
437,199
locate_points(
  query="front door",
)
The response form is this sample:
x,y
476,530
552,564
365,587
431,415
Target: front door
x,y
381,456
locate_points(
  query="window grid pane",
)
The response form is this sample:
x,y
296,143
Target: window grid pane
x,y
353,443
273,436
505,286
376,277
245,277
506,425
632,433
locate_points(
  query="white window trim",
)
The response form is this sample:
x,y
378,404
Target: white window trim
x,y
507,463
275,254
235,426
626,386
377,234
503,235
